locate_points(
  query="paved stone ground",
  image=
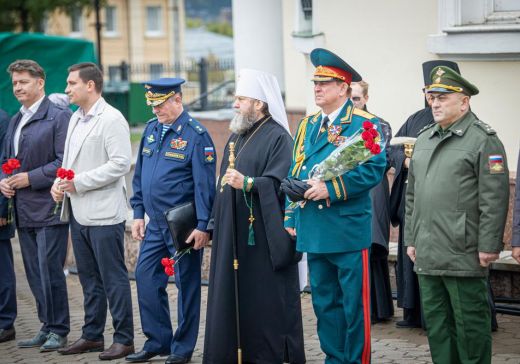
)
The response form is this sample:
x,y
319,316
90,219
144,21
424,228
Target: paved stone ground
x,y
389,345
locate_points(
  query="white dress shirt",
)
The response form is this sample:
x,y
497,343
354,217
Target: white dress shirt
x,y
27,114
80,130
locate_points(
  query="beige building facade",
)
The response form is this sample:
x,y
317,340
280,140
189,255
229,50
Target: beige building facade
x,y
137,32
387,41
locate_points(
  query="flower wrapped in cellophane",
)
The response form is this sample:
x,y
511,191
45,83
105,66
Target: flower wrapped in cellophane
x,y
350,153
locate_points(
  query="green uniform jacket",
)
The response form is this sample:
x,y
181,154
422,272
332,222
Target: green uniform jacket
x,y
345,225
457,198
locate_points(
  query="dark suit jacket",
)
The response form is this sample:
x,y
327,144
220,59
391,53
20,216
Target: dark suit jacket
x,y
6,232
40,152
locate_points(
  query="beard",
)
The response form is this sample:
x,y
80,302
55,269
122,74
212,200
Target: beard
x,y
241,123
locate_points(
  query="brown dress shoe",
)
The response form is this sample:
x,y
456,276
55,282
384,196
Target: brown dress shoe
x,y
116,351
82,346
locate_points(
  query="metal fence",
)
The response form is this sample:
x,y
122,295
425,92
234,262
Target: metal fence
x,y
209,82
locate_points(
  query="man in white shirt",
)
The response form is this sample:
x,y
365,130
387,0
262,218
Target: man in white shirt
x,y
98,150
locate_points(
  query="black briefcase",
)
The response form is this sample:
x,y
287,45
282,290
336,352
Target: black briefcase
x,y
182,220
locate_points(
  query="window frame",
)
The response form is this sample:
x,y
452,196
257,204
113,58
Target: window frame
x,y
114,32
154,33
472,30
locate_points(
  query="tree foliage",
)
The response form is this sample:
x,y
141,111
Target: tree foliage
x,y
28,15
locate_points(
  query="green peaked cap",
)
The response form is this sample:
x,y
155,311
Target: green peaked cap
x,y
446,80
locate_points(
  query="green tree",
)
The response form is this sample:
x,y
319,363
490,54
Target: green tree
x,y
220,28
28,15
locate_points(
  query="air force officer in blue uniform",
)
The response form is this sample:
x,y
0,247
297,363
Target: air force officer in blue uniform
x,y
175,164
334,226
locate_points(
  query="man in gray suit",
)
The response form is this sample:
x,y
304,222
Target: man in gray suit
x,y
98,150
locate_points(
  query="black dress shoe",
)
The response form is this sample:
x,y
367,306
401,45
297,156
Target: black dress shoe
x,y
405,324
141,357
7,334
176,359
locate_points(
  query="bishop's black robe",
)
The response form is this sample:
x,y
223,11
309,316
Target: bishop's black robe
x,y
382,305
269,300
407,284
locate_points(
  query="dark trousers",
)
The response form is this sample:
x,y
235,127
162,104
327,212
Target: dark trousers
x,y
100,259
44,250
7,285
153,298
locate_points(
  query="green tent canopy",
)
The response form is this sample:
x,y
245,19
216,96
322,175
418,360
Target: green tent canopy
x,y
55,54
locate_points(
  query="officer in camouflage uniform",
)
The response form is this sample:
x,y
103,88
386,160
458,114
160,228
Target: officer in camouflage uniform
x,y
456,208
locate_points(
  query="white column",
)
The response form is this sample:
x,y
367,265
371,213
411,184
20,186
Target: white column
x,y
136,31
257,36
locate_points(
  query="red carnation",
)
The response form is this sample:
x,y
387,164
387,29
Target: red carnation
x,y
6,169
367,135
70,175
165,262
169,271
376,149
367,125
369,144
61,173
13,163
374,133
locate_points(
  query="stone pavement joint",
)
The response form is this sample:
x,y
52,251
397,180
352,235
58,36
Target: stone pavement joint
x,y
389,344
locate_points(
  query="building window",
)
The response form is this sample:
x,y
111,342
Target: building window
x,y
110,21
477,30
76,22
307,35
154,21
307,9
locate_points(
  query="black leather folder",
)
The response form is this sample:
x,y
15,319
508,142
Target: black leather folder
x,y
182,220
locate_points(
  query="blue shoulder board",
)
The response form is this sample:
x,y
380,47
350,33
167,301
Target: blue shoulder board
x,y
151,120
199,128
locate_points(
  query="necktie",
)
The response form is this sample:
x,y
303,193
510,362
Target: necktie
x,y
323,126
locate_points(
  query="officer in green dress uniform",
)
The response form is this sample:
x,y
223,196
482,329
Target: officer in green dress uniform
x,y
334,225
456,208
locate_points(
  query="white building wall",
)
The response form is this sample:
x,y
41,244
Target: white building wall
x,y
257,33
386,42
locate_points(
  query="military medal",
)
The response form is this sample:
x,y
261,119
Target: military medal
x,y
339,140
178,144
333,132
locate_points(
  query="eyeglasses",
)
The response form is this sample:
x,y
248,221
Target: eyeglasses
x,y
356,98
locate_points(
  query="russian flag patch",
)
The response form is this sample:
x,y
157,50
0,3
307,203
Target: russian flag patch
x,y
496,163
209,154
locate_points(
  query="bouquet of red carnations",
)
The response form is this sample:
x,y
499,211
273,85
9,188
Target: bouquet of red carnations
x,y
350,153
63,174
169,263
8,168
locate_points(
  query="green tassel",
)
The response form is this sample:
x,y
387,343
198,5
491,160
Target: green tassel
x,y
251,238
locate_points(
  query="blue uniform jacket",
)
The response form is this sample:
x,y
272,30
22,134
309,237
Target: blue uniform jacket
x,y
178,169
345,225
